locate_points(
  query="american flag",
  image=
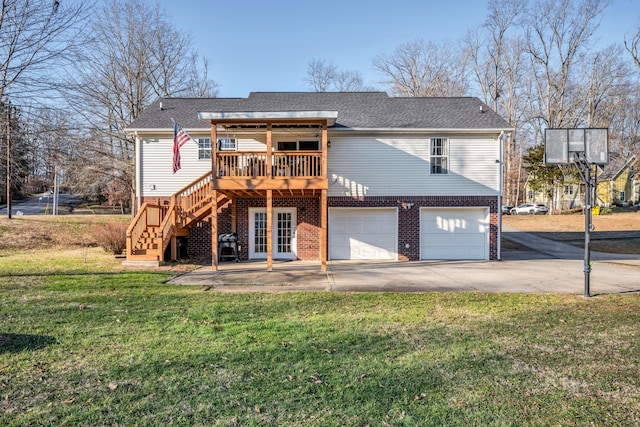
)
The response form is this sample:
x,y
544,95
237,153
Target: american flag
x,y
180,137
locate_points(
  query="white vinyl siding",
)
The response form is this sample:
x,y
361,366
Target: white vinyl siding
x,y
454,233
372,166
156,163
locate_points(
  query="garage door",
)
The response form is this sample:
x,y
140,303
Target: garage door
x,y
454,233
363,233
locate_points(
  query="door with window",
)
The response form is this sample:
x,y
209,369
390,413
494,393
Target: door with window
x,y
283,226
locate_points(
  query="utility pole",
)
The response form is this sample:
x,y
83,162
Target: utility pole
x,y
8,161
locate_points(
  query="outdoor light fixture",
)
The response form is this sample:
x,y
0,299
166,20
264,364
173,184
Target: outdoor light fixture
x,y
303,210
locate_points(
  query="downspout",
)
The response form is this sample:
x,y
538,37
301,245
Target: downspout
x,y
501,139
138,176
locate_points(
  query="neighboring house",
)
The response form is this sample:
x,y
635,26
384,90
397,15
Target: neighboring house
x,y
569,195
319,176
619,182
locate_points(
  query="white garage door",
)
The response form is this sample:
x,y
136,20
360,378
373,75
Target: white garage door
x,y
454,233
363,233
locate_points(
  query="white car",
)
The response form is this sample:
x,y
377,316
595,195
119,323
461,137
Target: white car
x,y
530,209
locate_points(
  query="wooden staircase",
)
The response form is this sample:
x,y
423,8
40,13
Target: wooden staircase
x,y
156,226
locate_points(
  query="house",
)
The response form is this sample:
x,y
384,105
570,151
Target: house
x,y
619,182
566,196
319,176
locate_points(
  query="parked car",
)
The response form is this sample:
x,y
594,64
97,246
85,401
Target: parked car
x,y
530,209
506,209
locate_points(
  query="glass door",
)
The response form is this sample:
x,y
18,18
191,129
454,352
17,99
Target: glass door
x,y
284,233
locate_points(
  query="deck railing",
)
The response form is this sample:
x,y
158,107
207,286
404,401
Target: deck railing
x,y
283,163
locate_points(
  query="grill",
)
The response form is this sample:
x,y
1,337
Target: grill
x,y
228,247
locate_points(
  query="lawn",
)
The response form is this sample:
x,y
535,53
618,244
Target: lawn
x,y
615,233
85,342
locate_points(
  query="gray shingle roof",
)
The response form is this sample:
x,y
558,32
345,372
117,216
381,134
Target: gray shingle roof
x,y
373,110
614,167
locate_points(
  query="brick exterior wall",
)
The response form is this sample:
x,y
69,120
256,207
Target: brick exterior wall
x,y
308,228
409,218
308,222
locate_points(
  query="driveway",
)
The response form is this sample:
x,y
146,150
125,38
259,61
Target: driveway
x,y
543,266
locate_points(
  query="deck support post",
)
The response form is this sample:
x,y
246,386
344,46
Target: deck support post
x,y
174,248
269,230
323,201
323,230
214,230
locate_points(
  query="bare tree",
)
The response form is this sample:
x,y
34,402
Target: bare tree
x,y
496,59
11,117
35,37
558,35
132,55
349,81
320,75
422,68
325,76
633,47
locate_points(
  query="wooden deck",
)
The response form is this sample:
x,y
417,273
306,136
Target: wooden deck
x,y
235,174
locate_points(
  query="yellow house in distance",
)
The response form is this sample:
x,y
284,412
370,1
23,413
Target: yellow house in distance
x,y
619,183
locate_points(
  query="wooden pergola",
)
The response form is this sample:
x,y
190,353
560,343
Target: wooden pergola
x,y
242,174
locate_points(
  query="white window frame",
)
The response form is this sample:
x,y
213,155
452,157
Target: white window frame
x,y
568,190
227,144
622,196
440,155
204,148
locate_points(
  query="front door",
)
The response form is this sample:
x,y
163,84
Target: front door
x,y
284,233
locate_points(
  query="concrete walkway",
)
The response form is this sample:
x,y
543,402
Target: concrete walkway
x,y
543,266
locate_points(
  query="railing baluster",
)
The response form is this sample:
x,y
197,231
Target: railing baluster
x,y
248,164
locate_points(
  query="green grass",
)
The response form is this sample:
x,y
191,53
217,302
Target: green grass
x,y
87,343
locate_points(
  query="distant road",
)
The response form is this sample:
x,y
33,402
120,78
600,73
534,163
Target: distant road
x,y
40,204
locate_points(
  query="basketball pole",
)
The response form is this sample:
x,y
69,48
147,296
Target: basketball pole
x,y
585,173
584,148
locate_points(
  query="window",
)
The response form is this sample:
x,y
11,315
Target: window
x,y
308,145
568,190
227,144
287,145
438,158
623,196
298,145
204,148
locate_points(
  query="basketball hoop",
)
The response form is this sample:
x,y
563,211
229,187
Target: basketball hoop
x,y
583,148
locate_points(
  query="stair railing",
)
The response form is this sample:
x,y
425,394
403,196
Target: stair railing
x,y
193,198
167,228
149,215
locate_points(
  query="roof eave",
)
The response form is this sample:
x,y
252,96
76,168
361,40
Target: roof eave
x,y
424,130
265,116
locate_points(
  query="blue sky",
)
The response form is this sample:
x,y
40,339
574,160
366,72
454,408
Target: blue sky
x,y
265,45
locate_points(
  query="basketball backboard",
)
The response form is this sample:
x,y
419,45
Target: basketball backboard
x,y
556,146
566,146
597,146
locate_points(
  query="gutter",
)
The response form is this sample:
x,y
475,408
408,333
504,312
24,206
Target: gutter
x,y
333,130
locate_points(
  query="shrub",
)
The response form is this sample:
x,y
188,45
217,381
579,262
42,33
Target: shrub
x,y
111,236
